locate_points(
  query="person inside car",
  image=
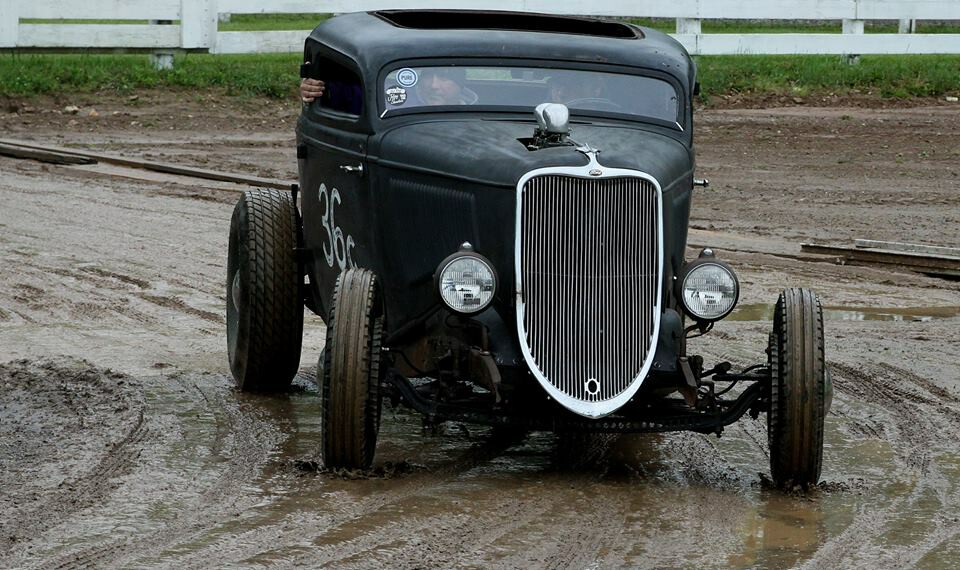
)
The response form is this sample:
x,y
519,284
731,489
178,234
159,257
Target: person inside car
x,y
570,88
339,91
444,86
436,86
311,89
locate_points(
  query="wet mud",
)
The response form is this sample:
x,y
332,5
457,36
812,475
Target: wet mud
x,y
124,444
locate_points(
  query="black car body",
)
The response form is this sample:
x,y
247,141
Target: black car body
x,y
557,230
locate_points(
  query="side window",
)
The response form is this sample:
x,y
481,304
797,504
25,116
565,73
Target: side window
x,y
343,92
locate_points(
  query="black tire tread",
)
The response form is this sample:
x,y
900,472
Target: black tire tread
x,y
351,372
267,354
798,390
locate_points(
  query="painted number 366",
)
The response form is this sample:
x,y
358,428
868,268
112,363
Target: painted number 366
x,y
336,248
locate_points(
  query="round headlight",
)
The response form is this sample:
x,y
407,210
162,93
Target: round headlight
x,y
709,290
467,283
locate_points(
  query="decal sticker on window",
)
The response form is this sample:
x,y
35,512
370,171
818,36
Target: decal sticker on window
x,y
396,95
407,77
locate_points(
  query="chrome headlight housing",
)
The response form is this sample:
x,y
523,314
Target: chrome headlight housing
x,y
467,282
709,289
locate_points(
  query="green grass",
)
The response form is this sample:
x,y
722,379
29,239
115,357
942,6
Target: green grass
x,y
276,75
271,75
74,21
265,22
894,76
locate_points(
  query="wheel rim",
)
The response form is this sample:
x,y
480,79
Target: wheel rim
x,y
236,289
234,295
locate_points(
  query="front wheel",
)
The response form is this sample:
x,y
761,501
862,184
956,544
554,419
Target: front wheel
x,y
350,374
799,391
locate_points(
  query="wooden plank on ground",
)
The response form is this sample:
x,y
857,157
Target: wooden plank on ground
x,y
158,166
907,247
44,155
918,261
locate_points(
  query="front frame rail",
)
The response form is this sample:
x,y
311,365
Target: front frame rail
x,y
711,420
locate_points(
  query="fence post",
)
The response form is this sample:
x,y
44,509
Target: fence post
x,y
907,27
9,24
162,60
852,27
689,26
198,24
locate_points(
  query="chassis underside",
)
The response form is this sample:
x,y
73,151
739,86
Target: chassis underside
x,y
704,411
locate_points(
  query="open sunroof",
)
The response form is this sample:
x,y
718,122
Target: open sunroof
x,y
513,21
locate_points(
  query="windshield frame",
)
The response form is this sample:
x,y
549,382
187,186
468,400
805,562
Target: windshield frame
x,y
385,114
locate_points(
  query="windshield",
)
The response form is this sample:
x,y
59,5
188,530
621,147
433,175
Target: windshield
x,y
413,88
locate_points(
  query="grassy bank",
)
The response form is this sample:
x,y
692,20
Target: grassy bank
x,y
271,75
275,75
886,76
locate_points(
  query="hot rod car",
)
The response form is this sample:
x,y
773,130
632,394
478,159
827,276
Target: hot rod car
x,y
491,219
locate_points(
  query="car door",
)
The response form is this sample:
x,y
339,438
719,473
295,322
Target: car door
x,y
331,153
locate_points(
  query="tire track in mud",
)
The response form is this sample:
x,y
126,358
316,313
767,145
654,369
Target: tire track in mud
x,y
900,400
948,404
66,399
592,538
443,538
223,499
917,415
87,490
916,409
178,304
460,529
177,542
314,526
241,438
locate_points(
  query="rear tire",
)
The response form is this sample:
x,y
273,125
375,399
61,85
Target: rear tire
x,y
264,306
799,390
350,373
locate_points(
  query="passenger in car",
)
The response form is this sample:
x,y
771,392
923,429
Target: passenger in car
x,y
444,86
570,88
339,91
436,87
311,89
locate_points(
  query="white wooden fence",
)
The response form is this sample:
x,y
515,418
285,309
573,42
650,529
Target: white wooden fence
x,y
198,19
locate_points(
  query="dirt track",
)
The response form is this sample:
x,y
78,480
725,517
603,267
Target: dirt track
x,y
123,444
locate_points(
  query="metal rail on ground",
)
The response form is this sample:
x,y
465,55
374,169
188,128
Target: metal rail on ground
x,y
144,164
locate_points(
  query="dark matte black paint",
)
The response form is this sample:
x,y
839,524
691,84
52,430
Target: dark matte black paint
x,y
432,181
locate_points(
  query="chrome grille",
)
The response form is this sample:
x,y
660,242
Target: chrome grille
x,y
588,269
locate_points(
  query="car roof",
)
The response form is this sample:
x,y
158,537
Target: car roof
x,y
375,39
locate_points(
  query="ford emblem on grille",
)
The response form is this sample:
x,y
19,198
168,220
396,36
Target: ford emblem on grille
x,y
596,172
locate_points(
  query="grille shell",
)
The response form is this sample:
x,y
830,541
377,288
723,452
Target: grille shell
x,y
589,260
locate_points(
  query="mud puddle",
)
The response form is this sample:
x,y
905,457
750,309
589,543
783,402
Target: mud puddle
x,y
211,474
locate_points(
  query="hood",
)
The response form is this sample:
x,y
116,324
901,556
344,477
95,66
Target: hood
x,y
489,152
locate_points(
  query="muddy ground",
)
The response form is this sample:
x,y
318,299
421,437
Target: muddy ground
x,y
123,443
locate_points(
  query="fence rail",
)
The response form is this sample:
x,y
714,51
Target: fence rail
x,y
195,23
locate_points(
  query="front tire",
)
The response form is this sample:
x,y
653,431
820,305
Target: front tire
x,y
350,374
799,390
264,306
